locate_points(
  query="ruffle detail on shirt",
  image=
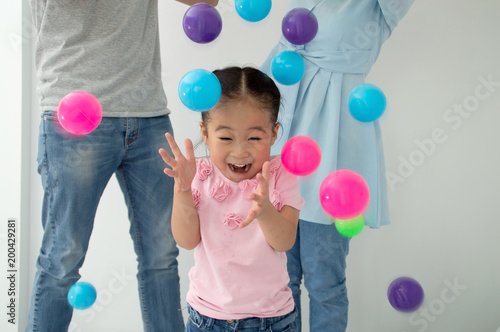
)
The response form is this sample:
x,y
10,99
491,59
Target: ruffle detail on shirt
x,y
220,190
232,221
276,200
274,165
248,187
204,169
196,197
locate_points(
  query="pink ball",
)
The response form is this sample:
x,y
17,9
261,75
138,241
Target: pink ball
x,y
301,155
344,194
79,112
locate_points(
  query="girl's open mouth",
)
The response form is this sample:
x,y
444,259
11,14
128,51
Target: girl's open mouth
x,y
239,168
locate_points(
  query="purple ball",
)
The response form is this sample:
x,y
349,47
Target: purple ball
x,y
299,26
202,23
405,294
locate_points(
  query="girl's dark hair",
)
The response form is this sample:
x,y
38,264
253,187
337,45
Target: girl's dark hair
x,y
247,83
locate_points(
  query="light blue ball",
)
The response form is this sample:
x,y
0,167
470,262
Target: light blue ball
x,y
366,102
199,90
288,67
253,10
82,295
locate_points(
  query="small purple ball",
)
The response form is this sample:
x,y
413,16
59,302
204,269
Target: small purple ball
x,y
202,23
299,26
405,294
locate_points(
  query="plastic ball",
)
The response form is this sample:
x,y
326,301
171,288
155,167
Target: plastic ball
x,y
253,10
344,194
301,155
82,295
202,23
366,102
288,67
299,26
79,112
199,90
350,227
405,294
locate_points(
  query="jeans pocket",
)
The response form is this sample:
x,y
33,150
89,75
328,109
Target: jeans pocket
x,y
195,317
288,328
42,139
286,324
50,116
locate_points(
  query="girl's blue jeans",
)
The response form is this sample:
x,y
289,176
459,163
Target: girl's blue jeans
x,y
200,323
74,172
319,254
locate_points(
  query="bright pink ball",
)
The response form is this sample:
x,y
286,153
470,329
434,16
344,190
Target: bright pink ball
x,y
344,194
79,112
301,155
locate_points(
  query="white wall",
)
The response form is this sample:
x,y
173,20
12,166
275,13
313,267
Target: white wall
x,y
443,207
444,212
15,159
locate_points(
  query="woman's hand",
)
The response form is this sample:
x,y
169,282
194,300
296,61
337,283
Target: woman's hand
x,y
183,168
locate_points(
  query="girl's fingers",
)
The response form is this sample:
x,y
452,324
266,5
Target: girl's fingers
x,y
259,195
188,144
166,157
182,168
266,170
248,220
262,181
256,197
169,172
263,187
173,145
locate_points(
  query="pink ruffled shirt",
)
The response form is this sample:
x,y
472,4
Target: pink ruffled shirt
x,y
236,273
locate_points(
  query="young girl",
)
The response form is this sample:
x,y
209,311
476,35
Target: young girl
x,y
238,209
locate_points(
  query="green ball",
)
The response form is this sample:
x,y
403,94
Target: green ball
x,y
350,227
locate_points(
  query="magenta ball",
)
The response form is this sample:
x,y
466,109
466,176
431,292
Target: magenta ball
x,y
344,194
299,26
202,23
301,155
79,112
405,294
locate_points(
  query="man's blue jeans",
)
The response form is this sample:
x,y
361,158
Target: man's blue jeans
x,y
75,171
319,254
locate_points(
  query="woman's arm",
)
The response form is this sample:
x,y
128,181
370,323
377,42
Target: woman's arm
x,y
279,227
185,222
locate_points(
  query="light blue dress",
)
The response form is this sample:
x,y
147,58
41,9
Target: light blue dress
x,y
350,36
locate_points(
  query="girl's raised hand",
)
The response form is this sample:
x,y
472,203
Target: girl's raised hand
x,y
183,168
261,204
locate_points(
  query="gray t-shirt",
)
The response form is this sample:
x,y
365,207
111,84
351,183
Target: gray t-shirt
x,y
109,48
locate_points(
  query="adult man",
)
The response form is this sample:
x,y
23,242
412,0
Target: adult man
x,y
110,49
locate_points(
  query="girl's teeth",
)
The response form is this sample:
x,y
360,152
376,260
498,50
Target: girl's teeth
x,y
240,168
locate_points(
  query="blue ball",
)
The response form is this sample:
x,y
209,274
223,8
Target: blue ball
x,y
288,67
253,10
199,90
366,102
82,295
